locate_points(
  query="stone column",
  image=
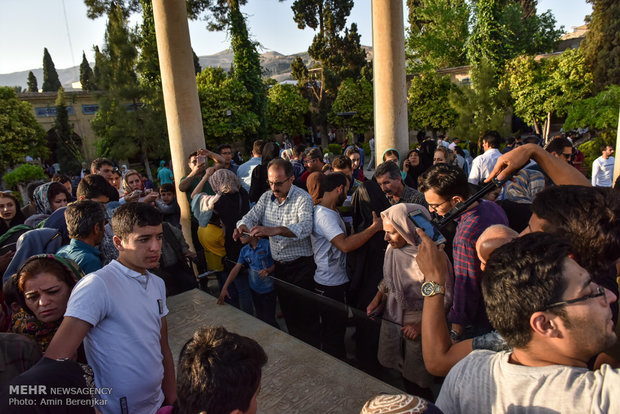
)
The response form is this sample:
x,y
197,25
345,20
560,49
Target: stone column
x,y
617,154
180,92
390,84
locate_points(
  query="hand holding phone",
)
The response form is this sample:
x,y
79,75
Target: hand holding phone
x,y
419,220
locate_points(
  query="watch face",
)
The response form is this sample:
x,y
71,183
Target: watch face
x,y
427,288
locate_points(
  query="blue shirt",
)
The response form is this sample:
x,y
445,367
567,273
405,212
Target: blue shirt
x,y
244,172
258,259
86,256
165,176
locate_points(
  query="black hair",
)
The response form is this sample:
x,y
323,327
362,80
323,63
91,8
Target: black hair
x,y
219,372
167,188
130,215
388,167
223,146
93,186
446,180
492,138
100,162
523,277
342,162
333,181
82,216
558,144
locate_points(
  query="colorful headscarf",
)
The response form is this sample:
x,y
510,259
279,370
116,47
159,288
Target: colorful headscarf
x,y
41,200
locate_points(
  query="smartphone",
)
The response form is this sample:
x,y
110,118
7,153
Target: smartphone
x,y
429,228
201,159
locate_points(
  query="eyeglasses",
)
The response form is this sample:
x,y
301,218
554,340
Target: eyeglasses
x,y
276,183
435,206
598,292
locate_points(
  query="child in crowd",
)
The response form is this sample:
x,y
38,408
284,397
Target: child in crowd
x,y
168,205
257,255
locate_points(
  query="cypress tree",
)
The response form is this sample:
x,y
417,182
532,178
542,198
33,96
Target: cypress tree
x,y
602,47
32,83
51,83
87,78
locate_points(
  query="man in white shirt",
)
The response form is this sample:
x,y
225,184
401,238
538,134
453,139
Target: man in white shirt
x,y
330,244
555,318
120,313
483,164
244,172
603,168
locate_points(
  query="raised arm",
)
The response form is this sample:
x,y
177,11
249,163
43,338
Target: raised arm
x,y
561,172
347,244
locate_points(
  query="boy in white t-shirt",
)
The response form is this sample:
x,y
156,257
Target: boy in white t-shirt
x,y
330,244
120,313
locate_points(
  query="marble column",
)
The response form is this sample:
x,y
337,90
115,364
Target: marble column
x,y
178,80
390,84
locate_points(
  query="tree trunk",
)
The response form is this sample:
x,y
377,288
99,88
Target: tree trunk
x,y
147,166
536,127
547,127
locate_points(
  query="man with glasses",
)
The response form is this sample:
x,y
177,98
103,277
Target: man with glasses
x,y
444,186
313,161
556,319
225,151
285,216
561,148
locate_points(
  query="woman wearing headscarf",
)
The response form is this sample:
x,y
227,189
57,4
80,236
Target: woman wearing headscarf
x,y
45,282
400,299
10,212
48,197
413,168
217,218
393,155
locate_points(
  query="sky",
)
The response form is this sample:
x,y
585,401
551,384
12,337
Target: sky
x,y
28,26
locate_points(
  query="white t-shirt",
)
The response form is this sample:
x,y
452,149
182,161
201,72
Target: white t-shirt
x,y
123,346
485,382
330,262
603,172
482,165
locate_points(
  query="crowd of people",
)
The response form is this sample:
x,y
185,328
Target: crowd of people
x,y
498,272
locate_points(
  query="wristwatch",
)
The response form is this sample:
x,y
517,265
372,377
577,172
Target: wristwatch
x,y
432,289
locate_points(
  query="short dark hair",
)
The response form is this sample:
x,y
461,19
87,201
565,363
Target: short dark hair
x,y
166,188
82,216
61,178
446,180
313,153
333,181
130,215
342,162
523,277
604,147
11,293
558,144
221,147
93,186
219,372
588,217
193,154
283,164
388,167
492,138
99,162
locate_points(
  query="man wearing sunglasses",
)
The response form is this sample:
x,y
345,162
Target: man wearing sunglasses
x,y
556,319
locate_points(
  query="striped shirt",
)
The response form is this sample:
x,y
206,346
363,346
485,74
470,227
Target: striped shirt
x,y
468,306
295,213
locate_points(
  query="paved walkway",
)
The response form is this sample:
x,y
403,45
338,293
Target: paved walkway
x,y
297,379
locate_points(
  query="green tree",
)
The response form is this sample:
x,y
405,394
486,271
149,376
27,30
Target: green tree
x,y
286,110
480,106
247,68
602,47
126,124
354,96
51,83
197,67
549,86
486,39
32,83
225,104
87,78
438,30
429,106
599,113
68,144
21,133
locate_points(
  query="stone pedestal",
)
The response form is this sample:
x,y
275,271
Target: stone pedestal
x,y
297,378
390,84
180,92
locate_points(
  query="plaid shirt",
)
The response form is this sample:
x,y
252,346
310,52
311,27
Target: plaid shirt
x,y
295,213
411,196
468,306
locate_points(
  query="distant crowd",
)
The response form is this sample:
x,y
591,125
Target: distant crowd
x,y
497,271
